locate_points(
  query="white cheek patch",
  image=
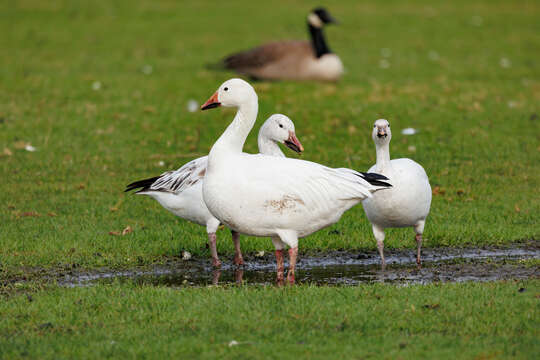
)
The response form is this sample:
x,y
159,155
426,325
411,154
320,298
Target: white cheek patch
x,y
314,20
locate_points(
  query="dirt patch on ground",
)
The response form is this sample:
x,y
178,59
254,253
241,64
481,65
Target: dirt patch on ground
x,y
338,268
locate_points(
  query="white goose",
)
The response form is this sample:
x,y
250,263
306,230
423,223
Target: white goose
x,y
407,203
180,191
262,195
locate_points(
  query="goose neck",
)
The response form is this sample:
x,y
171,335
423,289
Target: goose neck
x,y
268,146
235,135
318,41
383,156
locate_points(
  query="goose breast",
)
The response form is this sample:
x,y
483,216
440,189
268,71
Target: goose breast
x,y
406,202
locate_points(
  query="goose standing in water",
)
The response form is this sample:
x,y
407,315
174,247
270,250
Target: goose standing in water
x,y
180,191
268,196
407,203
292,60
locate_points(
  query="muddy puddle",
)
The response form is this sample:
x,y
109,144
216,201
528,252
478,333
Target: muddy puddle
x,y
337,268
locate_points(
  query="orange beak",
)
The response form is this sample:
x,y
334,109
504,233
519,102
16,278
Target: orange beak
x,y
293,143
211,103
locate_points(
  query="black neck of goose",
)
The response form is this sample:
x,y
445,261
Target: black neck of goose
x,y
318,41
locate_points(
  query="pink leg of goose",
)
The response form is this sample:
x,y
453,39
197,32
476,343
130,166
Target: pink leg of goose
x,y
293,252
213,250
379,236
278,245
238,259
419,247
280,267
419,229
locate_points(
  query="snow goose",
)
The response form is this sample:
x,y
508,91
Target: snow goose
x,y
407,203
270,196
292,60
180,191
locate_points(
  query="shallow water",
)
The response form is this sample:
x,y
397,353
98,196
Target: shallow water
x,y
337,268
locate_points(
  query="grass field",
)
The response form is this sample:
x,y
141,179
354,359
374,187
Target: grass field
x,y
100,89
465,75
480,321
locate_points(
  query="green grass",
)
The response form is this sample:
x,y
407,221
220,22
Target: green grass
x,y
446,321
465,73
478,120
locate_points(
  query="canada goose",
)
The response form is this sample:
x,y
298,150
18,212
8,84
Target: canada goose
x,y
292,60
407,203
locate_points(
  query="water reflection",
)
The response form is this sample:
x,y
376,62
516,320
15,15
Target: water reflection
x,y
440,265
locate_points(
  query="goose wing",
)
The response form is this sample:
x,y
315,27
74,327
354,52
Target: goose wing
x,y
266,54
312,184
174,181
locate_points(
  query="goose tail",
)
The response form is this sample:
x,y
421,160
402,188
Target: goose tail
x,y
143,185
376,179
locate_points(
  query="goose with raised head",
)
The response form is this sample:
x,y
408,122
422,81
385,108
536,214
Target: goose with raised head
x,y
292,60
407,203
180,191
282,198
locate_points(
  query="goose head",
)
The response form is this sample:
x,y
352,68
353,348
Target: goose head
x,y
381,132
232,93
279,128
319,17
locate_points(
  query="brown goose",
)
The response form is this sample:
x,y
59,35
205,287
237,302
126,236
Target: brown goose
x,y
292,60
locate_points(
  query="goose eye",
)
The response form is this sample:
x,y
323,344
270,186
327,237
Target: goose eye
x,y
226,89
388,125
374,126
281,126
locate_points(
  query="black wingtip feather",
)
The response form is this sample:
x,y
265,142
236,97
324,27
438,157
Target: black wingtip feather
x,y
375,179
379,183
374,176
143,184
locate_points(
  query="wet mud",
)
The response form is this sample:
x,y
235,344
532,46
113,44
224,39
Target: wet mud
x,y
337,268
